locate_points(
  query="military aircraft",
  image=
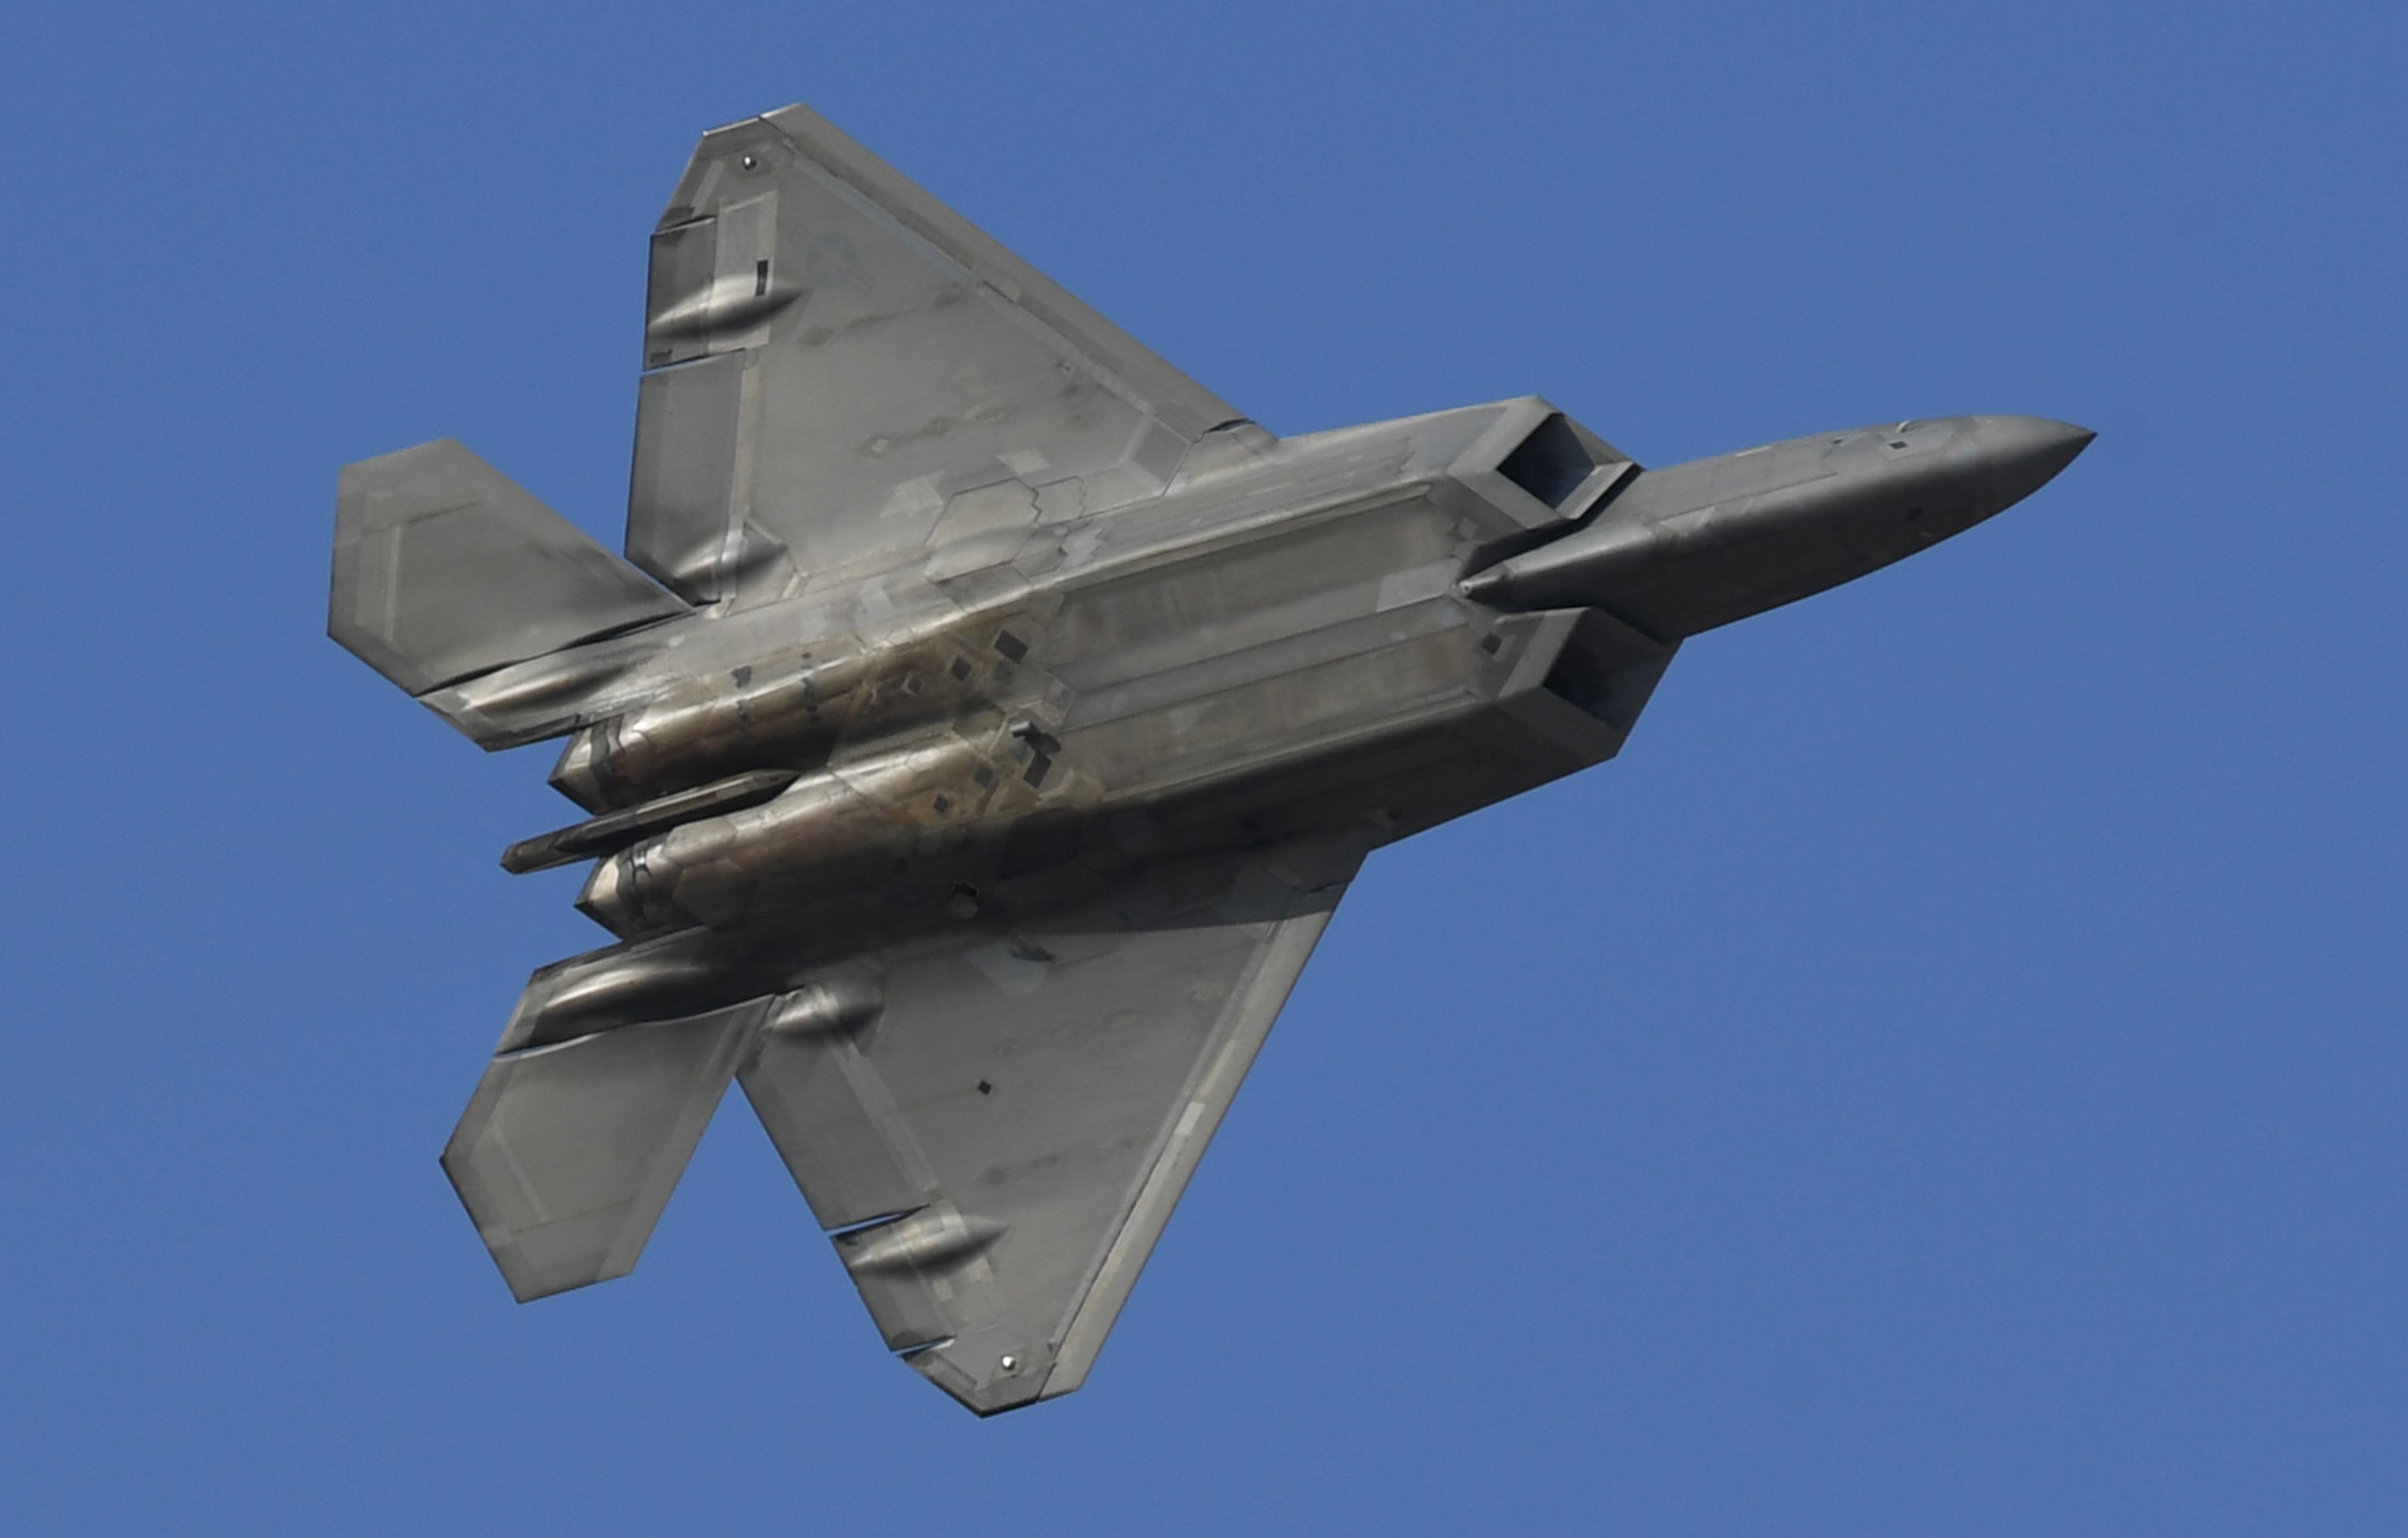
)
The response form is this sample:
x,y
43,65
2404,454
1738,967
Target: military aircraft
x,y
986,719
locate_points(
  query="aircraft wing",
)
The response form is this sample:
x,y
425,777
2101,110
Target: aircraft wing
x,y
999,1149
839,370
994,1122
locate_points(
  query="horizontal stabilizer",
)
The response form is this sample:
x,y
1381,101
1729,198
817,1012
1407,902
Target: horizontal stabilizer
x,y
567,1154
445,568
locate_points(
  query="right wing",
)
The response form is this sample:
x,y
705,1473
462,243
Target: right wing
x,y
998,1147
841,370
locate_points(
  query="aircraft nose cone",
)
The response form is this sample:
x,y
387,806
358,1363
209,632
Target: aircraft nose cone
x,y
2024,453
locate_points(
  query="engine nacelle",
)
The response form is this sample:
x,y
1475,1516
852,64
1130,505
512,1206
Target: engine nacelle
x,y
829,832
781,712
789,710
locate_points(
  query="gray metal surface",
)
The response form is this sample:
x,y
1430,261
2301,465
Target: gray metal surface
x,y
1031,1102
840,368
567,1154
445,568
1034,713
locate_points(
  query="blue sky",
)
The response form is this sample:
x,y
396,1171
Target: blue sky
x,y
1946,1076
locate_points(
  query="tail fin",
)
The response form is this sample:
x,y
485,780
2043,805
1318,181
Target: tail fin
x,y
445,568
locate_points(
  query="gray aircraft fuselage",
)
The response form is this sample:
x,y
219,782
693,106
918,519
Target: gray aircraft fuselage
x,y
1339,639
985,719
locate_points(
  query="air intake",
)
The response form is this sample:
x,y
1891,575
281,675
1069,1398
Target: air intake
x,y
1552,464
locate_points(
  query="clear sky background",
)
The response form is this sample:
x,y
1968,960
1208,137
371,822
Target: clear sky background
x,y
1947,1076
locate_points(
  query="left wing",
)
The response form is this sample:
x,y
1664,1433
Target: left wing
x,y
997,1124
841,370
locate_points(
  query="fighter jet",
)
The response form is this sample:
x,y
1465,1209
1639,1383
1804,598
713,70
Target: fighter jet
x,y
986,719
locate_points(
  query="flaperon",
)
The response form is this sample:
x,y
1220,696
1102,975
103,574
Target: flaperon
x,y
986,720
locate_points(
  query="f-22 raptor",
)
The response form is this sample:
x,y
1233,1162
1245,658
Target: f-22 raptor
x,y
986,719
